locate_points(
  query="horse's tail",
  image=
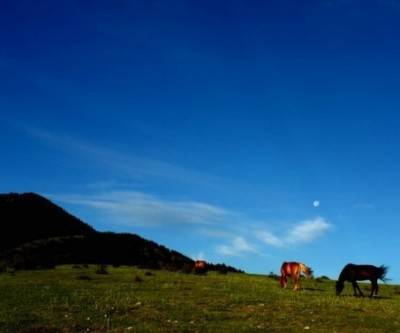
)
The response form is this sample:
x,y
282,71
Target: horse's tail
x,y
283,270
283,279
382,271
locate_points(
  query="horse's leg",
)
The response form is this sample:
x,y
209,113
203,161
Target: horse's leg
x,y
359,290
374,288
296,282
354,283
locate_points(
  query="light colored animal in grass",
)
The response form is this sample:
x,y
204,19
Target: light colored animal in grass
x,y
294,270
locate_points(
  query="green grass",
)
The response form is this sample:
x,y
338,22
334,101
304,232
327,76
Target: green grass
x,y
58,301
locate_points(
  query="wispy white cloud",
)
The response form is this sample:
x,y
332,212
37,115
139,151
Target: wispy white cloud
x,y
120,163
140,209
300,233
307,231
134,208
237,248
269,238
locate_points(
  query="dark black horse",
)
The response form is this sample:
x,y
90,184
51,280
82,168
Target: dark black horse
x,y
354,273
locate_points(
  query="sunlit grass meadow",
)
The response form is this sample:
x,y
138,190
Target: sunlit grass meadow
x,y
133,300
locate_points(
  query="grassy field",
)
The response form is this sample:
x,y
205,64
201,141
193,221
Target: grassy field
x,y
132,300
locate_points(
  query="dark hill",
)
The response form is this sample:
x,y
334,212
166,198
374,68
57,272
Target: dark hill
x,y
27,217
38,233
99,248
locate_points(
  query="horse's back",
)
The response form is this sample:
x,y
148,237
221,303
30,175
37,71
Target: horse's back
x,y
289,268
363,266
352,272
290,263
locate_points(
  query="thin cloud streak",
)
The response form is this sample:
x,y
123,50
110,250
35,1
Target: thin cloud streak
x,y
139,209
270,239
237,248
134,208
135,167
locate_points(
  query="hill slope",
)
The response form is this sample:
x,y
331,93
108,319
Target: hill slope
x,y
38,233
29,216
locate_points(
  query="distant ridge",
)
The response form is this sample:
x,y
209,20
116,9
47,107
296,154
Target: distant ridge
x,y
36,233
29,216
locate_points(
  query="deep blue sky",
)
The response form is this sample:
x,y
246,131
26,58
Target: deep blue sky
x,y
211,126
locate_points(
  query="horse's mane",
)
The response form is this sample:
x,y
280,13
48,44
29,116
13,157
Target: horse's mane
x,y
304,268
344,272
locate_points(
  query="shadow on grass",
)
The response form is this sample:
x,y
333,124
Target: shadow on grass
x,y
366,297
314,289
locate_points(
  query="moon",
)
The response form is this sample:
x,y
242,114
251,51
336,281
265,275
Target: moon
x,y
316,203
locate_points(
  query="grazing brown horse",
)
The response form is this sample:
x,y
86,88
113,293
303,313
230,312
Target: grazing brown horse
x,y
354,273
200,267
294,270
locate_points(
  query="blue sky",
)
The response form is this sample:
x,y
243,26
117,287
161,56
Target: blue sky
x,y
211,127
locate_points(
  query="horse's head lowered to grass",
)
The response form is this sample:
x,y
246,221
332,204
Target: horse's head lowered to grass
x,y
339,287
308,272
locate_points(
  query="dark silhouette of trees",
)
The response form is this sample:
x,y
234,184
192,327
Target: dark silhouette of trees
x,y
27,217
36,233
